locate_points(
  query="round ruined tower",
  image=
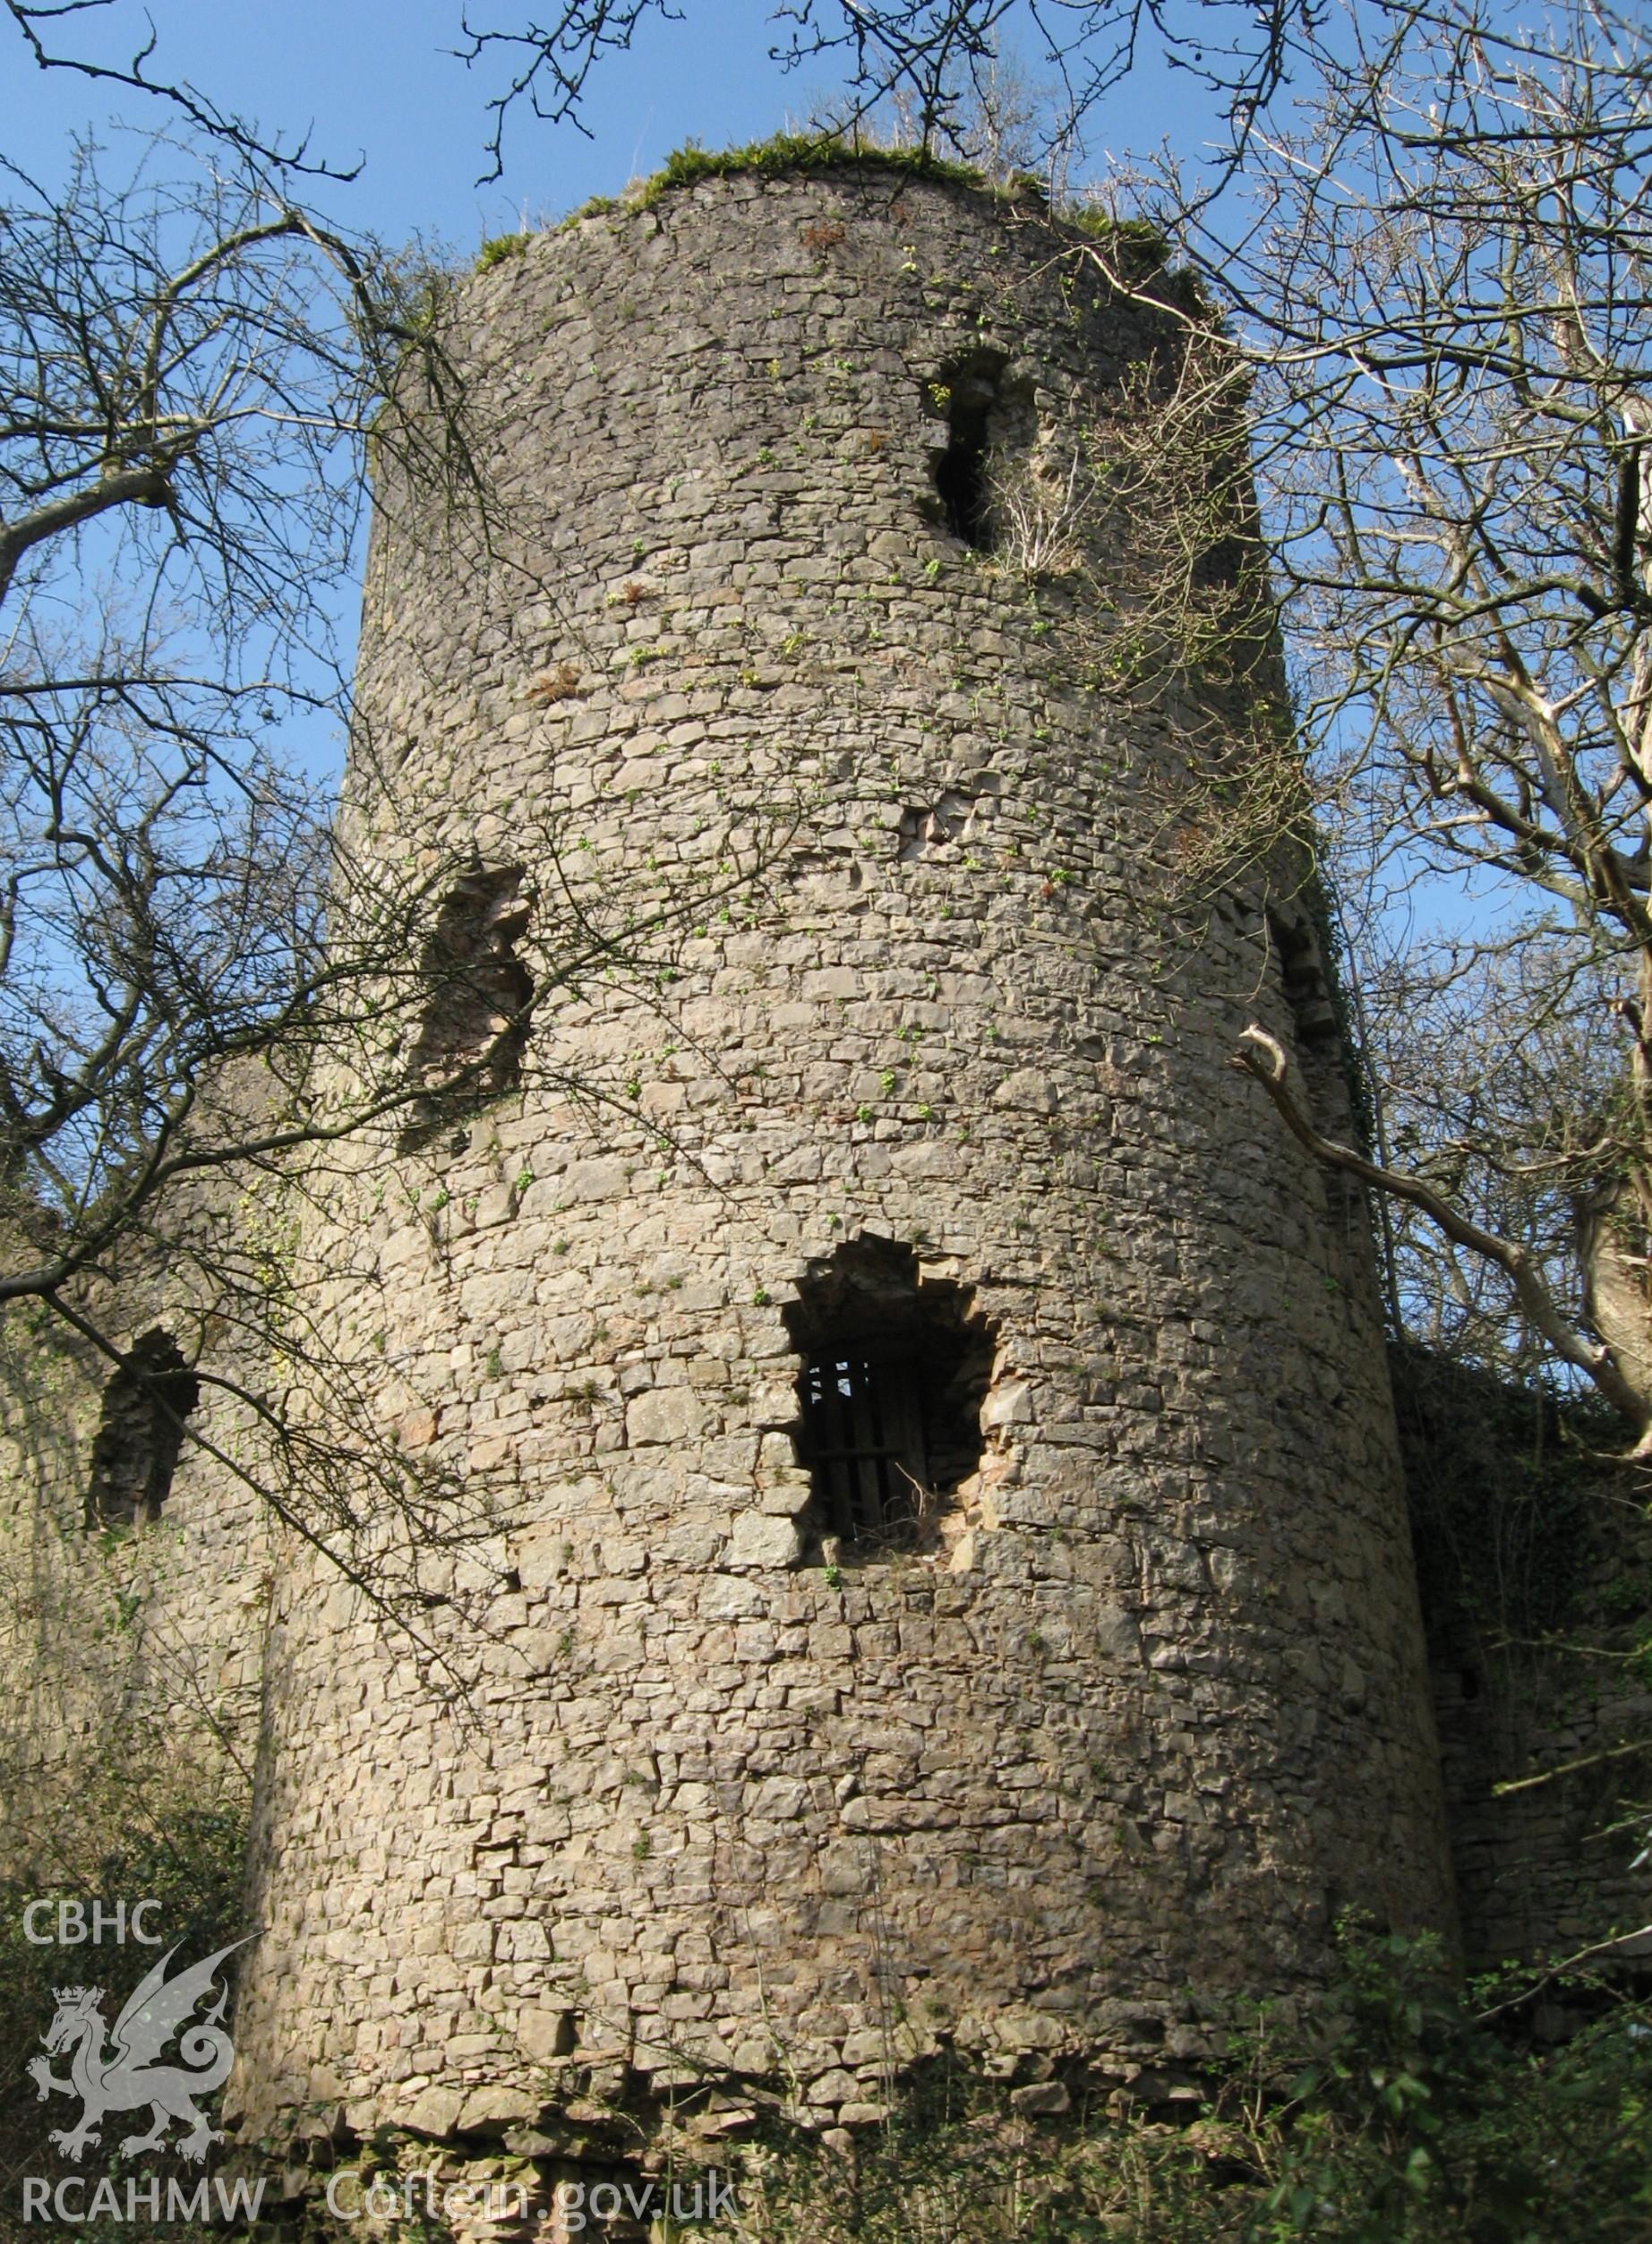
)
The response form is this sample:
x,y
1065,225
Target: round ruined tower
x,y
949,1585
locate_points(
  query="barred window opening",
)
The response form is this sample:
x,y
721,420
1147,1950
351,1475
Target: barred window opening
x,y
895,1367
863,1427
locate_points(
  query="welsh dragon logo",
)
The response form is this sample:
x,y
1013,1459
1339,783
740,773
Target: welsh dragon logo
x,y
124,2077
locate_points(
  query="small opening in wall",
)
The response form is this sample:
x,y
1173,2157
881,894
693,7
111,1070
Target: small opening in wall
x,y
475,1026
927,829
1327,1079
1307,988
140,1432
970,393
1323,1058
896,1368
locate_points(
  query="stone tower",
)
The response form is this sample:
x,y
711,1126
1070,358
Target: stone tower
x,y
951,1586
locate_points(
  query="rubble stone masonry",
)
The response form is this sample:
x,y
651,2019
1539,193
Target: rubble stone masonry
x,y
859,1022
928,1566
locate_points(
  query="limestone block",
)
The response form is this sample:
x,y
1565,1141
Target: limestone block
x,y
490,2110
594,1180
761,1540
1040,2098
665,1414
1117,1636
729,1598
847,1867
1017,2028
540,1553
788,1495
1008,1403
434,2110
777,1455
546,2032
525,1941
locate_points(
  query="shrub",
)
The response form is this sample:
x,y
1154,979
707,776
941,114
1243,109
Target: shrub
x,y
1397,2116
498,249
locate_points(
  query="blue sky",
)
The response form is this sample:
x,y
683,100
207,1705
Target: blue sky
x,y
372,80
375,82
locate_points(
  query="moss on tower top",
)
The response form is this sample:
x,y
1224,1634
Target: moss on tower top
x,y
787,154
782,154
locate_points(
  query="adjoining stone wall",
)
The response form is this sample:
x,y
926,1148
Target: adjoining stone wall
x,y
137,1474
685,1800
130,1638
1536,1577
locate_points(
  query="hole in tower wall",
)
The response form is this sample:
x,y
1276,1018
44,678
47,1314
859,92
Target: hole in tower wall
x,y
140,1432
474,1028
1316,1030
930,829
986,418
1322,1058
960,473
896,1368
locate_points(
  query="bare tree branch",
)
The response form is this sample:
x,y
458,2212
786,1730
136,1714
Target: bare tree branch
x,y
43,24
1266,1062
